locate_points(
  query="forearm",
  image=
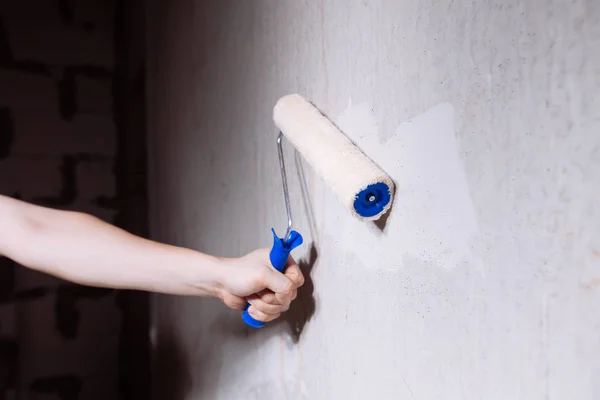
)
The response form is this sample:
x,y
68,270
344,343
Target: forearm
x,y
85,250
82,249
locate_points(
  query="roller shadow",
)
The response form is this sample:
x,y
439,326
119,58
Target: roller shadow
x,y
381,223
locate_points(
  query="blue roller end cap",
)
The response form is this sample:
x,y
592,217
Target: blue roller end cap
x,y
372,200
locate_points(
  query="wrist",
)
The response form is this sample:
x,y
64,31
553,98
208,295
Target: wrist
x,y
206,275
217,281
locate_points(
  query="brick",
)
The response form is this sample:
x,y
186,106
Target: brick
x,y
63,386
99,316
48,134
94,96
9,359
27,279
105,214
92,388
5,50
95,179
7,134
30,176
44,351
100,388
67,307
8,322
68,189
29,395
30,11
85,89
94,13
7,278
61,45
27,92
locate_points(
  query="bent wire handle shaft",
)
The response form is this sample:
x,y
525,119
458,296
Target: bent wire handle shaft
x,y
286,193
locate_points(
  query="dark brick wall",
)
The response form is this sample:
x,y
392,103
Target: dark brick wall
x,y
70,140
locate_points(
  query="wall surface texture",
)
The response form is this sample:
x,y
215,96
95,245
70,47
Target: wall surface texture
x,y
484,283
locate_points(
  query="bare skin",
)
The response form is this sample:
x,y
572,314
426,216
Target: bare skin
x,y
83,249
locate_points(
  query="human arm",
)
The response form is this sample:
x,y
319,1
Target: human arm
x,y
83,249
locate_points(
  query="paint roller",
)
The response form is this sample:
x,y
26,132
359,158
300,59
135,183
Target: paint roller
x,y
355,179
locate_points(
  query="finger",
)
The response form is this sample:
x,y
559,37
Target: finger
x,y
261,316
233,301
276,281
267,308
286,299
294,273
268,297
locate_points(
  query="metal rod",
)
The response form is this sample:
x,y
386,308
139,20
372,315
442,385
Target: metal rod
x,y
285,186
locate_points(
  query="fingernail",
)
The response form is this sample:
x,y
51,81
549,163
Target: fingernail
x,y
251,311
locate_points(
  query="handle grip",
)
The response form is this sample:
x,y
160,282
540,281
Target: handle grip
x,y
279,255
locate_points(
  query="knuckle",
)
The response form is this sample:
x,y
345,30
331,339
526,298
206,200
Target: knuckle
x,y
289,286
270,299
283,299
232,302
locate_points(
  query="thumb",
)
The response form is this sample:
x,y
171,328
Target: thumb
x,y
277,282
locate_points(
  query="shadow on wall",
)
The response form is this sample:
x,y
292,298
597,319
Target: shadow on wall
x,y
303,308
175,380
381,223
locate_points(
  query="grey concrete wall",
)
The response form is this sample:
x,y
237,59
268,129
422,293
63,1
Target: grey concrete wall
x,y
485,281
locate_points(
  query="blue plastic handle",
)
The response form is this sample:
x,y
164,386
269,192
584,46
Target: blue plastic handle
x,y
278,256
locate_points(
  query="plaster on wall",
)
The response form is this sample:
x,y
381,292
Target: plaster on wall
x,y
422,157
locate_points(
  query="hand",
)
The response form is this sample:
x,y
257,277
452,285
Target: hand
x,y
252,279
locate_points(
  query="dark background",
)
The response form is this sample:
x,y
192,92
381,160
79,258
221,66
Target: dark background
x,y
72,137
